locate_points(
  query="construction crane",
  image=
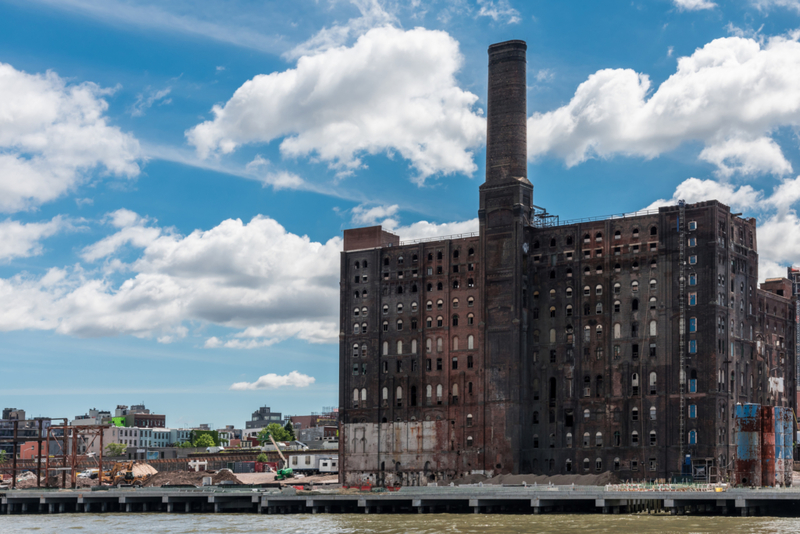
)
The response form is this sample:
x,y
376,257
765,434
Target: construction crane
x,y
286,472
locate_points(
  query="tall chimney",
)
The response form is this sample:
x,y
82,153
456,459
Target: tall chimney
x,y
506,126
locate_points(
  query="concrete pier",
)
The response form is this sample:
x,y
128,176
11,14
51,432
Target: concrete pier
x,y
420,500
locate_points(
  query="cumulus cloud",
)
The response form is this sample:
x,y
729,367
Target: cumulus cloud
x,y
729,95
272,381
393,91
694,5
53,135
498,11
255,277
425,229
695,190
22,240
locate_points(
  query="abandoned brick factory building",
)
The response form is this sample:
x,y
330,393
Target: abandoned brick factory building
x,y
550,347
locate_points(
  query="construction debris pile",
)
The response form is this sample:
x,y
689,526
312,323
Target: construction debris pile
x,y
600,479
190,478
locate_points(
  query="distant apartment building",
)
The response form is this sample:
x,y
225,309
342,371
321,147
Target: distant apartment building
x,y
263,417
92,417
13,413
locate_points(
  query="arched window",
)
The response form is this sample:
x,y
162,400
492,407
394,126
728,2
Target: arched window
x,y
385,396
429,305
470,318
635,305
439,344
455,320
364,396
413,346
598,236
552,311
587,270
469,419
598,269
586,439
617,306
653,230
455,393
455,284
653,327
568,310
598,439
400,307
617,288
653,380
363,350
455,342
428,393
399,396
586,414
693,437
569,439
536,441
355,350
439,304
399,324
355,398
617,235
598,465
471,301
428,345
439,286
599,331
470,342
652,413
617,331
399,347
385,348
598,308
586,464
635,438
535,418
455,303
439,394
587,291
653,284
470,282
552,335
439,321
587,333
653,440
399,290
413,397
356,311
455,254
355,328
569,292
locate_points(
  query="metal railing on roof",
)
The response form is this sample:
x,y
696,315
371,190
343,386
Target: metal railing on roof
x,y
440,238
548,223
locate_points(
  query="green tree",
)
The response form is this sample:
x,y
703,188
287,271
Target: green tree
x,y
4,459
289,428
261,458
277,432
204,440
116,449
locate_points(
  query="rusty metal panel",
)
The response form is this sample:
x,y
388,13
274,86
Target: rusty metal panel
x,y
748,444
768,453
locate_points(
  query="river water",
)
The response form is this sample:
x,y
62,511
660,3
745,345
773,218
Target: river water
x,y
392,524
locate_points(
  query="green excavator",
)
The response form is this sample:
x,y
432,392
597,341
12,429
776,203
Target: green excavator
x,y
286,472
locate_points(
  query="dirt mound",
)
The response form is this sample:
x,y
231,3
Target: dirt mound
x,y
142,469
600,479
194,478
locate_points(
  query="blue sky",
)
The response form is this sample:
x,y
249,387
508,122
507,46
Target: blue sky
x,y
175,176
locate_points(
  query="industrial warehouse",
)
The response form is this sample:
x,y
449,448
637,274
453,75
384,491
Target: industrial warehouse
x,y
630,343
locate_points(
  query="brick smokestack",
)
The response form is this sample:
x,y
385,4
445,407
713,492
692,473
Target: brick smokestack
x,y
506,125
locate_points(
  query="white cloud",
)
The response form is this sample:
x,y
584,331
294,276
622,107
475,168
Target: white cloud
x,y
670,50
746,157
52,136
145,101
392,91
272,381
766,5
425,229
695,190
544,75
255,277
729,95
374,215
373,15
21,240
219,21
284,180
498,10
694,5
